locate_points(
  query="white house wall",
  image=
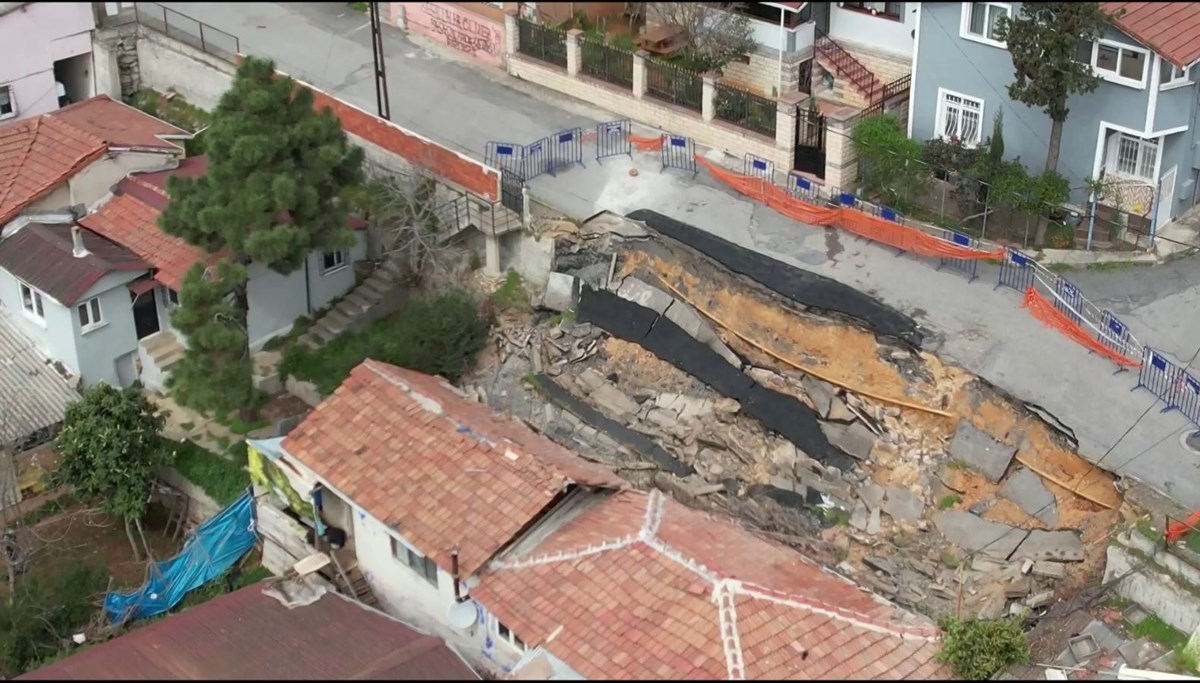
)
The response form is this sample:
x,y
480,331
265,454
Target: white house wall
x,y
881,33
54,336
325,288
99,349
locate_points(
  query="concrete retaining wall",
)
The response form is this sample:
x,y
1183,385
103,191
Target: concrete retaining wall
x,y
1166,585
167,64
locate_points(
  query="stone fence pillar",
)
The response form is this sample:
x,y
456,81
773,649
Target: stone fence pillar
x,y
512,35
639,73
785,129
708,99
841,159
574,52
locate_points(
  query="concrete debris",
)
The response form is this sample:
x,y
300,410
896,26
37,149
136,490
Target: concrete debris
x,y
903,505
981,452
859,516
1049,570
1026,489
976,535
611,400
871,494
838,412
562,291
726,406
854,439
607,223
821,395
644,295
784,456
1062,546
590,380
686,407
874,523
1040,599
1138,653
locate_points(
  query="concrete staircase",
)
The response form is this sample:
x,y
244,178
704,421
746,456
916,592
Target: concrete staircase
x,y
361,299
837,60
161,350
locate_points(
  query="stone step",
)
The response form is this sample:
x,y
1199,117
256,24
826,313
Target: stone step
x,y
165,361
376,287
159,341
321,332
359,301
335,322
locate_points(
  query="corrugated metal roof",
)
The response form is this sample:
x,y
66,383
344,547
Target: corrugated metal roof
x,y
43,257
34,395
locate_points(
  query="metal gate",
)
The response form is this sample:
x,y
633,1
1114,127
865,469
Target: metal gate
x,y
810,142
510,191
612,139
679,152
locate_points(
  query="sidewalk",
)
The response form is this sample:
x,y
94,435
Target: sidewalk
x,y
984,330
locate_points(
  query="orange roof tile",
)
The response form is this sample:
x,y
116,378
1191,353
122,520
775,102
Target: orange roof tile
x,y
639,586
118,124
1172,29
443,470
38,154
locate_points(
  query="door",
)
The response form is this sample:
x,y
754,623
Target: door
x,y
1166,198
145,314
810,142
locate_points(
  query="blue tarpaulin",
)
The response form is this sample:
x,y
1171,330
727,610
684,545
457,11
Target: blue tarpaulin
x,y
218,543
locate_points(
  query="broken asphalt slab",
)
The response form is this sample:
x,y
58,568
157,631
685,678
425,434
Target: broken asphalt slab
x,y
1026,489
979,451
678,312
976,535
803,287
1061,546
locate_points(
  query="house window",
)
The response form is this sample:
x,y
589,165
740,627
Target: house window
x,y
1122,64
172,297
331,261
981,21
89,315
31,301
1133,157
504,634
8,104
1170,75
892,10
415,561
960,118
497,5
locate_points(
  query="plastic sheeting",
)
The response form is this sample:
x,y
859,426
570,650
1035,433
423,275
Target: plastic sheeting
x,y
218,543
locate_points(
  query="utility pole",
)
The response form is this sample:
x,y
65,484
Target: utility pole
x,y
381,92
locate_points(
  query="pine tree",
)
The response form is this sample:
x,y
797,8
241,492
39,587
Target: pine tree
x,y
277,170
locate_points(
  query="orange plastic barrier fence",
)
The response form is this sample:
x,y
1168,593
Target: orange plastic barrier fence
x,y
1176,530
862,224
1044,310
646,144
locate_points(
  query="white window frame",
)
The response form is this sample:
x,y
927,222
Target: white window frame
x,y
505,635
1113,155
420,565
1184,77
95,316
171,297
941,116
1115,76
12,103
341,256
964,30
35,308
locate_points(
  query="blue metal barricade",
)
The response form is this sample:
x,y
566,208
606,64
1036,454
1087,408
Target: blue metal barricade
x,y
757,167
1188,397
679,152
802,188
1115,335
1016,271
506,156
612,139
1161,377
537,158
967,266
1069,299
564,149
847,199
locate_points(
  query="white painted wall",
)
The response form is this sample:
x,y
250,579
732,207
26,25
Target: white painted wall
x,y
878,32
99,348
164,63
324,288
53,335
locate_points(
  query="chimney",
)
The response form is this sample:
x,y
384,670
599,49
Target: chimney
x,y
77,239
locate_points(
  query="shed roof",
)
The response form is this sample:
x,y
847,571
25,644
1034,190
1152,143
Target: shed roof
x,y
1172,29
43,257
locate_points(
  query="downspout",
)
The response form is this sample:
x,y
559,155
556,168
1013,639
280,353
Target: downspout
x,y
454,573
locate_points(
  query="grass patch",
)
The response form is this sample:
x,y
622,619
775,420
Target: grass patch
x,y
1060,267
175,111
437,335
980,649
835,516
950,558
45,609
558,318
1116,265
223,479
1146,528
357,6
61,504
511,296
949,501
1160,632
217,587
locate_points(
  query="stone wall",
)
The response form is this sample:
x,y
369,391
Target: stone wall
x,y
1155,579
165,64
761,73
115,56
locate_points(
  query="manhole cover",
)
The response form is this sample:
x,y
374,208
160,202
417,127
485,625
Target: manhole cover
x,y
1191,441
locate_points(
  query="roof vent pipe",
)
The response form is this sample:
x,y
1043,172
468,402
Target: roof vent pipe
x,y
77,241
454,572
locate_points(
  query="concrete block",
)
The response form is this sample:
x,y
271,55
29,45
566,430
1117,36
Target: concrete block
x,y
562,291
1061,546
1029,492
903,505
642,294
973,534
855,439
981,452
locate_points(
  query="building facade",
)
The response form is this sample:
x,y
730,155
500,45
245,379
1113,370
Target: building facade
x,y
46,59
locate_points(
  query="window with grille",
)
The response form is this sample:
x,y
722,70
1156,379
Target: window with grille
x,y
981,21
960,118
1134,157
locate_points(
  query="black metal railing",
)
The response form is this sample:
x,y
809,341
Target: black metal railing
x,y
607,63
888,93
743,108
545,43
674,85
185,29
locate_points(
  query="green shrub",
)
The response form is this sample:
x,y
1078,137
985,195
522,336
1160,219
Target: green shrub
x,y
979,649
892,167
438,335
45,609
223,479
511,296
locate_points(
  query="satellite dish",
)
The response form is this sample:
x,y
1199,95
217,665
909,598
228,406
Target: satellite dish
x,y
462,615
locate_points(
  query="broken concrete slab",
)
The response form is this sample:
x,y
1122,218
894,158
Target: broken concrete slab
x,y
1029,492
1049,570
854,439
784,456
642,294
820,393
1137,653
590,380
608,223
698,328
1040,599
685,406
614,401
979,451
562,292
903,505
1061,546
859,516
976,535
838,412
871,494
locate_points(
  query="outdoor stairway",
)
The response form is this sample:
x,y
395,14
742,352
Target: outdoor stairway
x,y
829,53
351,582
164,350
361,299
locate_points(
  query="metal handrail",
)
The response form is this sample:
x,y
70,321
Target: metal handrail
x,y
847,62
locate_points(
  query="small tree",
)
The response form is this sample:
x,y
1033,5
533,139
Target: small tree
x,y
277,170
714,35
1044,42
980,649
109,447
892,165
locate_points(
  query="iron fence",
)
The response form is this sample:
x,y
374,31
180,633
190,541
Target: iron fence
x,y
674,85
185,29
890,91
607,63
745,109
544,43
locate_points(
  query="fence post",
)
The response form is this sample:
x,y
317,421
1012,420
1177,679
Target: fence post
x,y
512,35
574,54
639,73
841,159
708,95
785,128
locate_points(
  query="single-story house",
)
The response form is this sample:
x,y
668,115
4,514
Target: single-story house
x,y
535,562
286,631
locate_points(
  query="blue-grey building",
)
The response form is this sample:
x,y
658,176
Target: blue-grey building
x,y
1137,130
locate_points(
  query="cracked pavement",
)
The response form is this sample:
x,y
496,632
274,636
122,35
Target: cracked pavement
x,y
461,104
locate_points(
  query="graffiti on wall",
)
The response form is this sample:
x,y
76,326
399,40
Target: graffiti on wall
x,y
466,32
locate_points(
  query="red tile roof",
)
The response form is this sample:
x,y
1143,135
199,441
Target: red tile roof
x,y
641,587
1172,29
38,154
247,635
43,257
443,470
120,125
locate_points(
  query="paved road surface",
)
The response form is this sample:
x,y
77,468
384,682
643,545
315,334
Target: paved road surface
x,y
464,105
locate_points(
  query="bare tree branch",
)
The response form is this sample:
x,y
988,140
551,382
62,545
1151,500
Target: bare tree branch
x,y
715,36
